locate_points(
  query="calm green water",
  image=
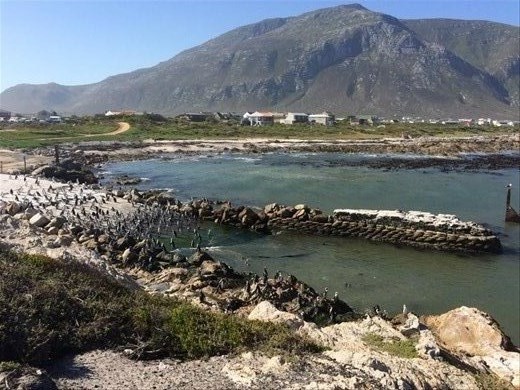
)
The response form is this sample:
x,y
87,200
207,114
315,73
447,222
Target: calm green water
x,y
364,273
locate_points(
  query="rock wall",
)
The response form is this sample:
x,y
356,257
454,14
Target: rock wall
x,y
421,230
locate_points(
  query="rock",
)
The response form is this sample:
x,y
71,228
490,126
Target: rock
x,y
205,213
64,240
179,258
126,180
13,208
128,256
411,325
199,257
476,339
285,212
320,218
209,268
271,208
426,346
53,230
248,217
171,274
124,242
39,220
265,311
30,212
57,222
90,244
299,207
27,378
103,239
76,229
301,214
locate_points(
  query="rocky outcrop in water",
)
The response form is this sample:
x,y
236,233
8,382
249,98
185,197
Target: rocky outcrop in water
x,y
67,170
421,230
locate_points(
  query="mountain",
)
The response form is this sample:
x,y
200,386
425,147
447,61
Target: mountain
x,y
345,59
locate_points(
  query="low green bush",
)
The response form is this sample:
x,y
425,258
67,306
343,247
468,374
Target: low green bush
x,y
400,348
50,308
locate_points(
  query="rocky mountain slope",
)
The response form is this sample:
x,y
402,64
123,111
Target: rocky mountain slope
x,y
346,59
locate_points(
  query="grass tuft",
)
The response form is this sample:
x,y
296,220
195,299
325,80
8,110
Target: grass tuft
x,y
400,348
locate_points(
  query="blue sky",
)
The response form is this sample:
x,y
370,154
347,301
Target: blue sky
x,y
79,42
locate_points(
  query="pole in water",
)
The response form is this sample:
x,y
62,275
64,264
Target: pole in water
x,y
511,214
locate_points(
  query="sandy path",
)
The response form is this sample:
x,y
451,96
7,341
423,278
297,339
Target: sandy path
x,y
12,160
122,127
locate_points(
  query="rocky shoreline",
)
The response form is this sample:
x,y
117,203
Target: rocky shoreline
x,y
488,152
89,224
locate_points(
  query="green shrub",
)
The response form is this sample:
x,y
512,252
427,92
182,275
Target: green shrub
x,y
50,307
401,348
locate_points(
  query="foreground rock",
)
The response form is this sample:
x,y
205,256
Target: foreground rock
x,y
476,339
349,349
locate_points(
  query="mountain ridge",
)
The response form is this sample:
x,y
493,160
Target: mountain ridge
x,y
345,59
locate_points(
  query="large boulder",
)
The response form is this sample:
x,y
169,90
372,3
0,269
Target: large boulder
x,y
248,217
476,339
265,311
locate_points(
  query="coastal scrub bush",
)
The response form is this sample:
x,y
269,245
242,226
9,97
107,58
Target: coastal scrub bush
x,y
49,308
400,348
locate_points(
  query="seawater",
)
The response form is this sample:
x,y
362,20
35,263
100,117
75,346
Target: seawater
x,y
363,273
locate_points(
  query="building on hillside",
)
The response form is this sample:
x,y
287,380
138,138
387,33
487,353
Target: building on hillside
x,y
278,117
5,115
367,119
296,117
325,118
195,116
120,113
258,118
54,119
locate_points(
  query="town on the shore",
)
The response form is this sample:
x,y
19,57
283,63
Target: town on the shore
x,y
266,118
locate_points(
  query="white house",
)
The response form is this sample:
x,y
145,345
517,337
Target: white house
x,y
296,117
259,118
54,119
324,118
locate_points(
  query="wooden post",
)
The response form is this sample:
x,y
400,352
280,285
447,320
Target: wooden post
x,y
24,164
56,154
1,167
511,214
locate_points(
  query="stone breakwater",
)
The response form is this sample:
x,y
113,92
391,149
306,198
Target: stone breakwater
x,y
417,229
